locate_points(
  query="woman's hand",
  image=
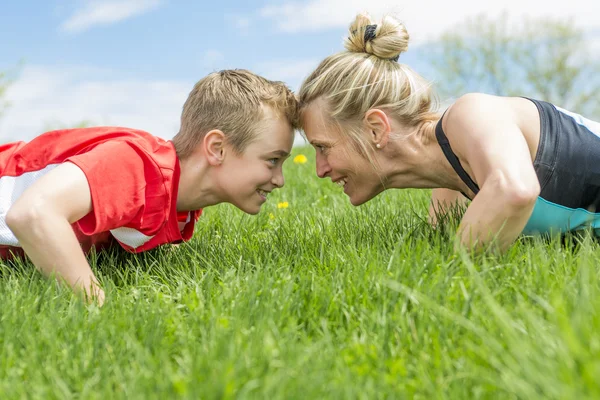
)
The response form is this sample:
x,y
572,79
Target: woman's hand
x,y
444,201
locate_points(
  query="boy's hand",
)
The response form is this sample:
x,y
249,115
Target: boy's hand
x,y
98,297
41,220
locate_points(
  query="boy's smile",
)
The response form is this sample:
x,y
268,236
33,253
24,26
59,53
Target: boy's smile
x,y
263,193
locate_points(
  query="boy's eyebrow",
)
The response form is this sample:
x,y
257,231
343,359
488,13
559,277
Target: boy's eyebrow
x,y
280,153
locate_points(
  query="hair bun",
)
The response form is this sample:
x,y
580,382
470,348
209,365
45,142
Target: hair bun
x,y
385,40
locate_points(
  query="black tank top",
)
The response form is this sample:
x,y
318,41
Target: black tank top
x,y
452,159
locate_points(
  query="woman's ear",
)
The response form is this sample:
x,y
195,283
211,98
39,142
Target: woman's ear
x,y
379,127
214,147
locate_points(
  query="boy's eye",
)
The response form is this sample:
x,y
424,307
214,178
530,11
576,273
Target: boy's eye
x,y
273,161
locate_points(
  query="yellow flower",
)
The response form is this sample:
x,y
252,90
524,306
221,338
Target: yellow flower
x,y
271,216
300,159
283,204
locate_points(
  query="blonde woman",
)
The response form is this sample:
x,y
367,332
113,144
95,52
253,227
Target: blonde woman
x,y
526,165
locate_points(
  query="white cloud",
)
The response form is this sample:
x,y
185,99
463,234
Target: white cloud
x,y
290,71
47,96
241,22
317,15
103,12
423,19
212,59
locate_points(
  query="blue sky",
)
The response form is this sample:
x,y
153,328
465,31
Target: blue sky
x,y
133,62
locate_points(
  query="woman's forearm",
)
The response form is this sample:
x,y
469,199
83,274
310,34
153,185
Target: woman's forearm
x,y
495,218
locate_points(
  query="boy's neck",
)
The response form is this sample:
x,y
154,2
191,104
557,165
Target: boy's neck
x,y
195,188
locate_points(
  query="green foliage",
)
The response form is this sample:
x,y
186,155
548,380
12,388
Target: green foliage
x,y
55,125
4,84
6,79
316,300
546,59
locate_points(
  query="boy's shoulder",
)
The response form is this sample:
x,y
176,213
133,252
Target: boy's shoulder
x,y
91,136
55,147
117,152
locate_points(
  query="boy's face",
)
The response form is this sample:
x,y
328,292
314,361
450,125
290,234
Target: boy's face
x,y
248,178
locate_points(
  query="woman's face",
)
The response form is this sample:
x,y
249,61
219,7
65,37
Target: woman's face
x,y
338,158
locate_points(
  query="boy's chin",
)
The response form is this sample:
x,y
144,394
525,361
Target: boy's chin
x,y
252,210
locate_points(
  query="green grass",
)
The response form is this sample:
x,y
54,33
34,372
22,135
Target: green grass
x,y
321,300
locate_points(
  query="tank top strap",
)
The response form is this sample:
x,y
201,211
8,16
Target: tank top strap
x,y
452,159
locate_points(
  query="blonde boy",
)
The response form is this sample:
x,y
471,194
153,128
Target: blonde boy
x,y
70,190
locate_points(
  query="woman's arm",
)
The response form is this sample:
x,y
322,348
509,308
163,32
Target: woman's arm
x,y
484,131
41,220
497,214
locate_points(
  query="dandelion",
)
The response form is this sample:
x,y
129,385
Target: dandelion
x,y
271,216
283,204
300,159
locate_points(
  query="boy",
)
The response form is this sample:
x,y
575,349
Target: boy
x,y
69,190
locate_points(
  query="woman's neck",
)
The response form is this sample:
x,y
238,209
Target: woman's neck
x,y
417,161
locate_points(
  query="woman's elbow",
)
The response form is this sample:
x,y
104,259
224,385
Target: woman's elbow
x,y
514,194
523,196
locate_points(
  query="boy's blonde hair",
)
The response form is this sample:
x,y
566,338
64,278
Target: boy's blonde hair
x,y
367,75
233,102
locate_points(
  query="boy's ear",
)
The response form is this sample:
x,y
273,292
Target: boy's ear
x,y
214,147
379,127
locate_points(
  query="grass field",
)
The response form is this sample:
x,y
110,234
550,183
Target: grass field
x,y
316,300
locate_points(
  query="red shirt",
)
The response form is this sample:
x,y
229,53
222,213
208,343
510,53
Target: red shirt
x,y
133,178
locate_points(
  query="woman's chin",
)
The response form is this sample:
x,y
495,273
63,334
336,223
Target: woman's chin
x,y
356,199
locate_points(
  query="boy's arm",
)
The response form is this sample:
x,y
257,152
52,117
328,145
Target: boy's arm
x,y
443,201
41,220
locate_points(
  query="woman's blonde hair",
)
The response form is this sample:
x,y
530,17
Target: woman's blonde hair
x,y
367,75
232,101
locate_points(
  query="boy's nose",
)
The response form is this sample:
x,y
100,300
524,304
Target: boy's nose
x,y
278,179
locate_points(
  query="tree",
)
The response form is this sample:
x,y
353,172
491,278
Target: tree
x,y
4,83
55,125
540,58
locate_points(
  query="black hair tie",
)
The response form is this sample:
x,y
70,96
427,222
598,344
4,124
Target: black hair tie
x,y
370,32
370,35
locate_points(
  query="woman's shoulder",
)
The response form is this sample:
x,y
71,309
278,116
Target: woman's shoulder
x,y
475,101
476,109
475,120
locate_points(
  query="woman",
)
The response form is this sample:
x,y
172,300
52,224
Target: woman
x,y
527,165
